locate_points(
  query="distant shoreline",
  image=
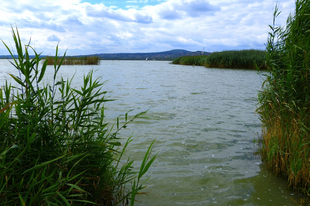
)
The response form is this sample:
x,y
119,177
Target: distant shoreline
x,y
165,55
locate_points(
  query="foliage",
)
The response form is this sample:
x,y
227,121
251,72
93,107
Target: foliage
x,y
55,147
190,60
247,59
84,60
285,101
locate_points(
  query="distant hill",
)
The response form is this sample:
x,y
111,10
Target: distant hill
x,y
165,55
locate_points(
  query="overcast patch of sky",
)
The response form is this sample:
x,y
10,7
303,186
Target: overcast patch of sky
x,y
88,27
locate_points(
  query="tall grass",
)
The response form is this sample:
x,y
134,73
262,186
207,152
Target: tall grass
x,y
84,60
190,60
55,146
285,100
243,59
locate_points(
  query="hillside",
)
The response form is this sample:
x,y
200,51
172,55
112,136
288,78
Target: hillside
x,y
166,55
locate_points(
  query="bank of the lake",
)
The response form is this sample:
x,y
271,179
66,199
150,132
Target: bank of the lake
x,y
243,59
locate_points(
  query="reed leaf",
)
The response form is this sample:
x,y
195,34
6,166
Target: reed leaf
x,y
55,146
284,101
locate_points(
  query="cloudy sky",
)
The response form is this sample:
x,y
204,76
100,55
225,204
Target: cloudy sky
x,y
113,26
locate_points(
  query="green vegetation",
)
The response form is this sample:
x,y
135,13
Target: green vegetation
x,y
84,60
285,101
244,59
191,60
55,147
247,59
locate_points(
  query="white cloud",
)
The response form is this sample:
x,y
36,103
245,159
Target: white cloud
x,y
172,24
178,9
53,38
131,15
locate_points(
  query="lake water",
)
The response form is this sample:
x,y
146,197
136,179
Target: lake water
x,y
205,126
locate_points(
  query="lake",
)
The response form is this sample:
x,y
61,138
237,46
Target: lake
x,y
205,126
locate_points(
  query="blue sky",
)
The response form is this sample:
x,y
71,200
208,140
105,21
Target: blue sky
x,y
113,26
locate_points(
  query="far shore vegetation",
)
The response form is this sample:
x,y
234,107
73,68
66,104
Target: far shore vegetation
x,y
56,148
83,60
242,59
284,102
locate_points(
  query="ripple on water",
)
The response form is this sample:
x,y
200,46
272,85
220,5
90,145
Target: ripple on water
x,y
203,121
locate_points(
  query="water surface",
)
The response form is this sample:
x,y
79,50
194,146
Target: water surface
x,y
205,126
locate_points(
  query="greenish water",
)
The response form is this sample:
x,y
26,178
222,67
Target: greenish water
x,y
205,127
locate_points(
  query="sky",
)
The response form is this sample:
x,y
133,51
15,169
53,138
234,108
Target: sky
x,y
83,27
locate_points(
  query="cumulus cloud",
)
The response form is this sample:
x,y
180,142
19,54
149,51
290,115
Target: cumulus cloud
x,y
86,28
53,38
73,20
178,9
131,15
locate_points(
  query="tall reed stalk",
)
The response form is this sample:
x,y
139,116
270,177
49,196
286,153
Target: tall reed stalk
x,y
55,146
285,100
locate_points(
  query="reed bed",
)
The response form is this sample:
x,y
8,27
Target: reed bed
x,y
243,59
190,60
284,102
55,146
84,60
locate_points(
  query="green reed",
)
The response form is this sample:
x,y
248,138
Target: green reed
x,y
84,60
243,59
190,60
55,146
284,103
